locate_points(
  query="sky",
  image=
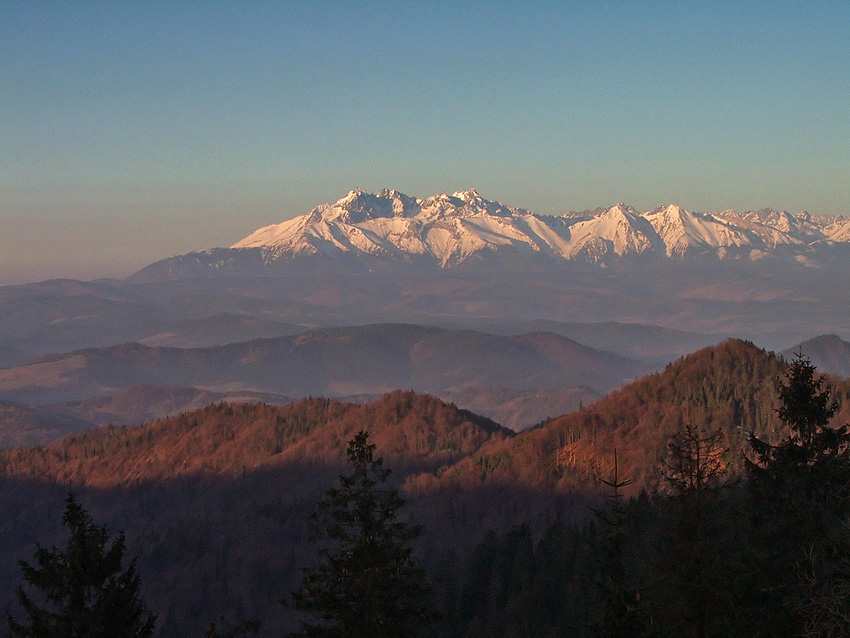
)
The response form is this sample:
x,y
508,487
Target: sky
x,y
134,131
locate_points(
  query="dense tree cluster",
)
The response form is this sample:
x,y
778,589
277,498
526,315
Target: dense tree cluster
x,y
692,540
768,555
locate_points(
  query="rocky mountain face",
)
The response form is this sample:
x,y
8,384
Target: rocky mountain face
x,y
449,229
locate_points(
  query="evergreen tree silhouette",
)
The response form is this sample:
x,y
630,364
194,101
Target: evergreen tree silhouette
x,y
87,593
365,583
799,494
621,613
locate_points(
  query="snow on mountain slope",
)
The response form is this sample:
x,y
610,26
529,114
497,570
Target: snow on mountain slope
x,y
618,229
772,229
838,230
448,228
682,231
451,228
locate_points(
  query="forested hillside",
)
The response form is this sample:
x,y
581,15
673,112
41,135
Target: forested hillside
x,y
712,552
216,501
729,388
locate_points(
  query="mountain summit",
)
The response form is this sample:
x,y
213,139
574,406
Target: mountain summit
x,y
444,231
448,228
451,228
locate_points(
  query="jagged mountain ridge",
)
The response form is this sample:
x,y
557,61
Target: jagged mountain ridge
x,y
449,229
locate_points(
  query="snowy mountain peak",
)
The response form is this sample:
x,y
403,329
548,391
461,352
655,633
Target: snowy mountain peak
x,y
353,194
452,228
621,209
470,196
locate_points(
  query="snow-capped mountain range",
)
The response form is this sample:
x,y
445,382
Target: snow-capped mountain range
x,y
450,229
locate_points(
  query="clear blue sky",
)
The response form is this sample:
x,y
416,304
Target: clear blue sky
x,y
132,131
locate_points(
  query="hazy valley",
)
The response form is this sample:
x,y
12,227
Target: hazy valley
x,y
498,358
497,323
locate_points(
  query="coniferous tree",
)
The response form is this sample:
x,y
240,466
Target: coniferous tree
x,y
695,466
811,450
87,593
693,557
800,502
366,582
621,613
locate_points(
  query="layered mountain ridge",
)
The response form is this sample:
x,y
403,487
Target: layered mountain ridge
x,y
216,502
363,360
449,229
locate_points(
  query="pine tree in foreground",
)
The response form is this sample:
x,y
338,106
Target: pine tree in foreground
x,y
86,593
800,509
365,583
621,613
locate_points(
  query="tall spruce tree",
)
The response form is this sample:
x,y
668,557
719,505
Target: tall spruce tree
x,y
365,583
800,502
811,450
87,593
621,613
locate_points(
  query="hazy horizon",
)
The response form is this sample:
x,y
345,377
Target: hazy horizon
x,y
136,132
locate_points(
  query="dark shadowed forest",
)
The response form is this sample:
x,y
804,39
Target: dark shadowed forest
x,y
709,499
